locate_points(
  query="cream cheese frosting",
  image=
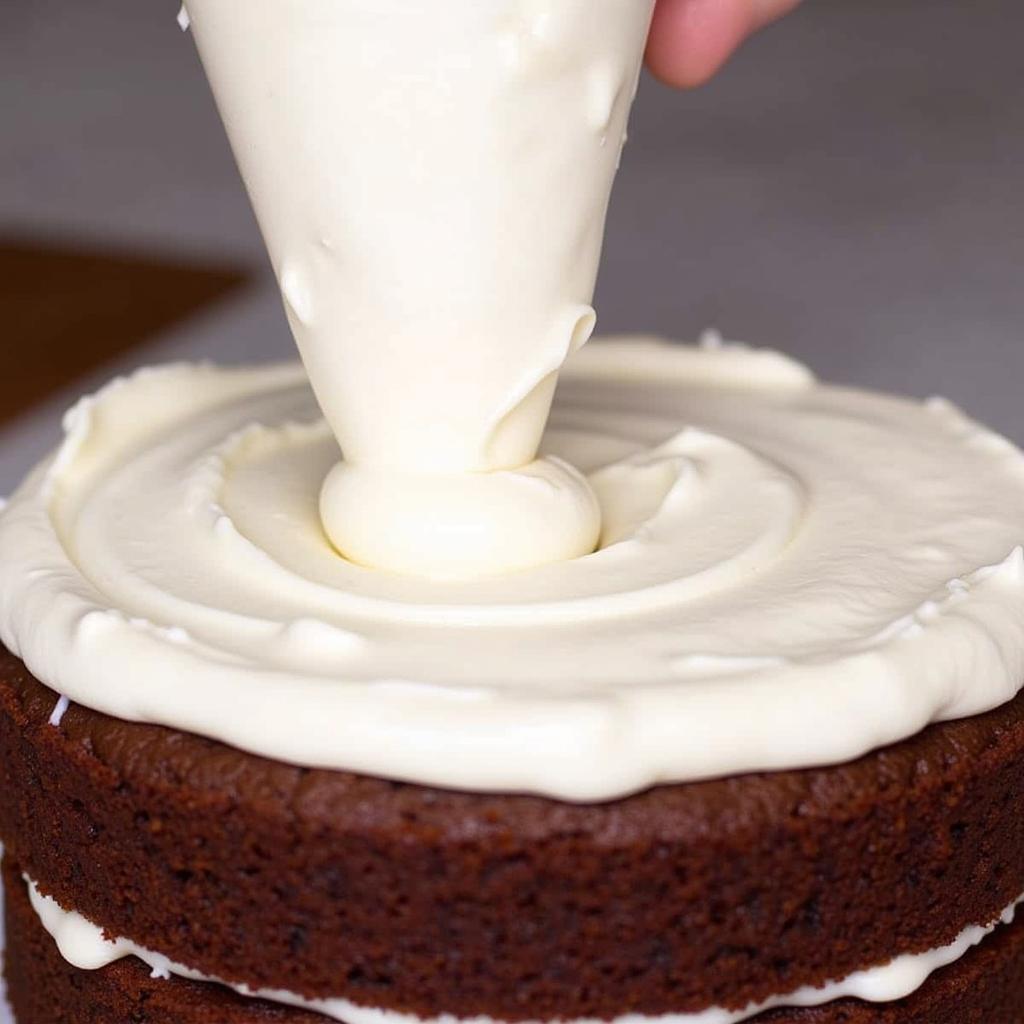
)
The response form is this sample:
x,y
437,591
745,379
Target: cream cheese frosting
x,y
789,575
432,181
84,945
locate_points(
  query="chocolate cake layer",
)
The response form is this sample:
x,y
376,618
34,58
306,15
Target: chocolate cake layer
x,y
399,896
43,988
985,987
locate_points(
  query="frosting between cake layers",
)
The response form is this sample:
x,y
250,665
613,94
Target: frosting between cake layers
x,y
790,575
432,180
83,945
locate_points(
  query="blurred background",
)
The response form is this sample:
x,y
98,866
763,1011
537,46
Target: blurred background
x,y
848,190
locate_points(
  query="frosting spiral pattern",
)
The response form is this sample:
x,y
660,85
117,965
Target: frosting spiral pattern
x,y
789,574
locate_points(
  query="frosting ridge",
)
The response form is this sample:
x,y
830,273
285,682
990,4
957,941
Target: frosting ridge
x,y
791,574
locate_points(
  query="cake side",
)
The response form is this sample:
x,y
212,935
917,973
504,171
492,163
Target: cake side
x,y
515,907
45,989
983,987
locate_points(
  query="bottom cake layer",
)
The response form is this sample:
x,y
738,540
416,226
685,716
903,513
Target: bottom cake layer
x,y
986,986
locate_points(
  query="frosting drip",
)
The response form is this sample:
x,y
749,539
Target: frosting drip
x,y
83,945
432,182
790,575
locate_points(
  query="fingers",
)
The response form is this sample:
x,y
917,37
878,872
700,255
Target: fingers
x,y
691,39
767,11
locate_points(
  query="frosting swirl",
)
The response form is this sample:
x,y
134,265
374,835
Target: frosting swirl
x,y
789,574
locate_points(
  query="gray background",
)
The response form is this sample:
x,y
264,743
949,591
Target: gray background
x,y
848,191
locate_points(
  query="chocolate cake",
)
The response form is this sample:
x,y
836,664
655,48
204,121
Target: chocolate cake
x,y
767,786
982,988
429,902
330,692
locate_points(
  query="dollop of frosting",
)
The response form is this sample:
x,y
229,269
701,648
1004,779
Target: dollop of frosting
x,y
788,574
460,525
432,181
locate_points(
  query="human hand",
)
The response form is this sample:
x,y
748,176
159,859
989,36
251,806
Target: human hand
x,y
691,39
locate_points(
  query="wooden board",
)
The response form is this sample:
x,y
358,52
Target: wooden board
x,y
67,310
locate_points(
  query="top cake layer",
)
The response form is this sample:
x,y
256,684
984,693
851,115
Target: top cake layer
x,y
789,575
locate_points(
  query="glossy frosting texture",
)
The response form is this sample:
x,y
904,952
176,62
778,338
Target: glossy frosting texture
x,y
790,574
432,181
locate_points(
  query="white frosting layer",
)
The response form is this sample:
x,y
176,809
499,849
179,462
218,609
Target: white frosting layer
x,y
432,180
82,944
791,575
